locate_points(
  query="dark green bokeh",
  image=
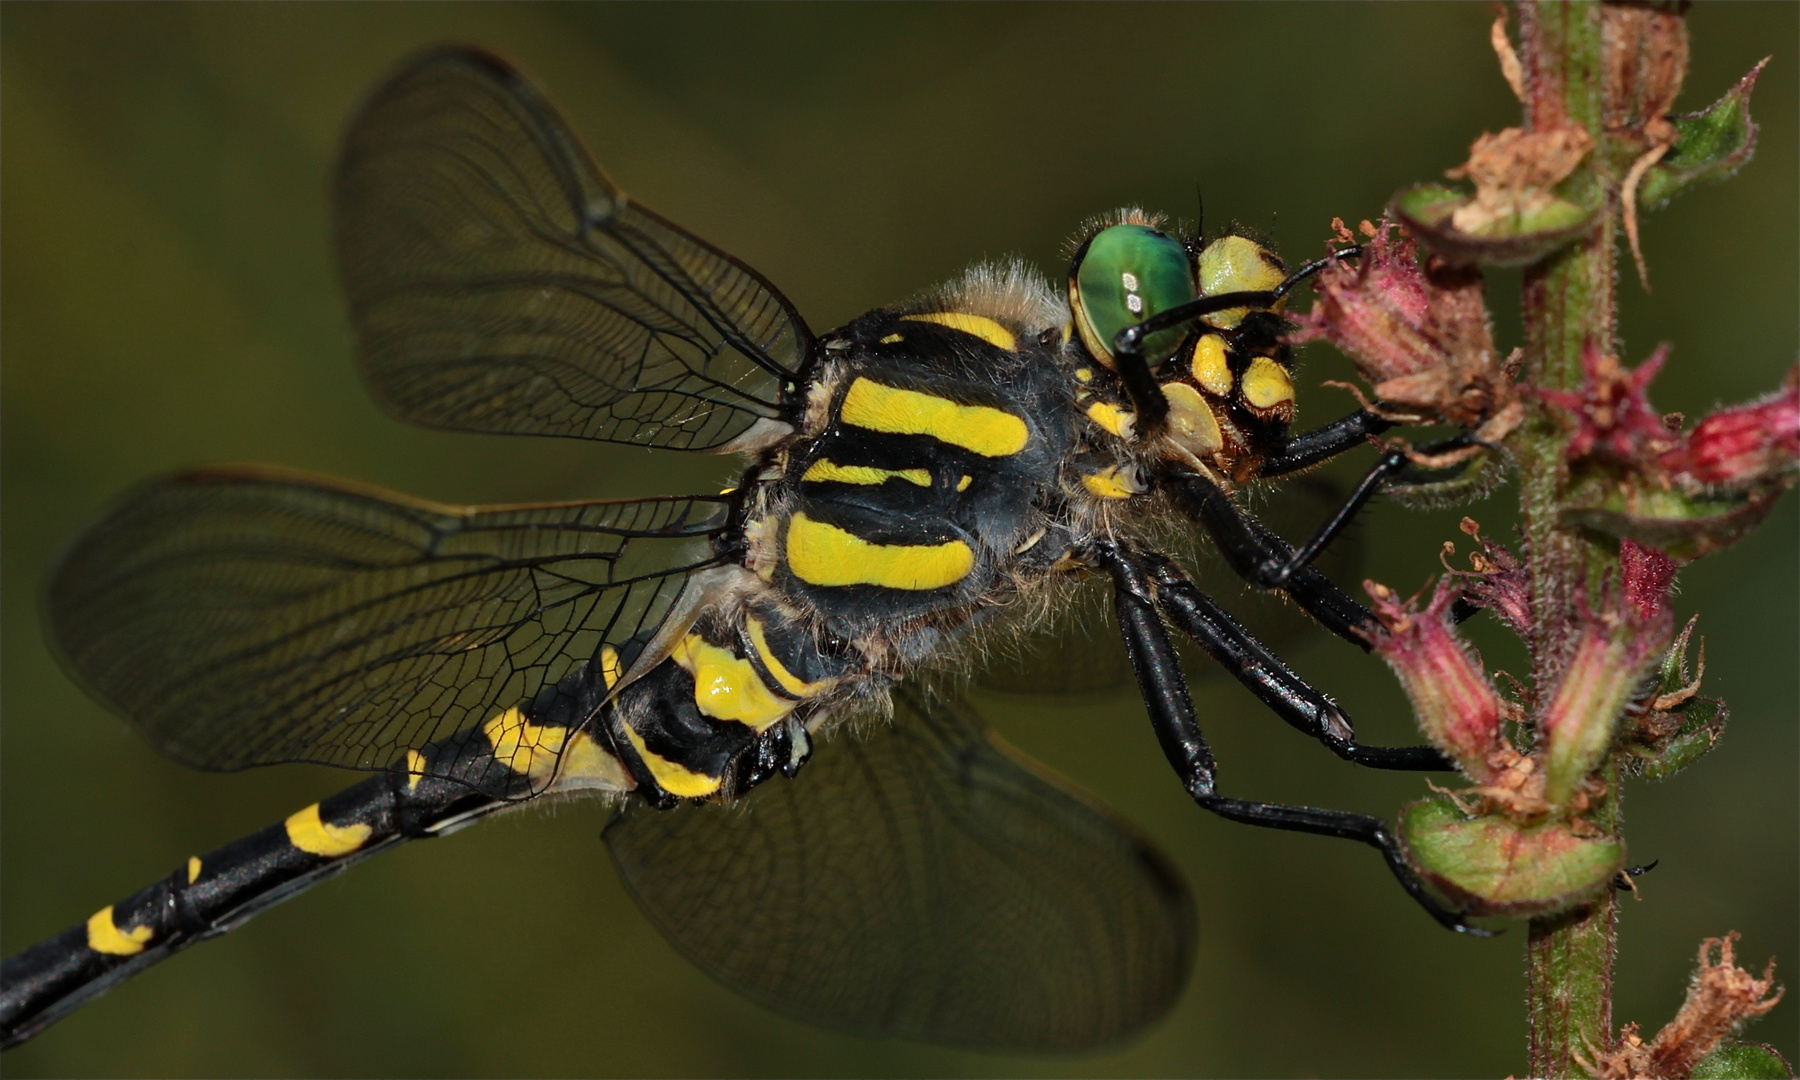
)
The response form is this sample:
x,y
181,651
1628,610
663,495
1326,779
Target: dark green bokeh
x,y
169,300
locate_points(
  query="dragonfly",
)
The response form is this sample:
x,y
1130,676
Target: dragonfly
x,y
802,808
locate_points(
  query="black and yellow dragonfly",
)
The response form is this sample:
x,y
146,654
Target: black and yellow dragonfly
x,y
924,474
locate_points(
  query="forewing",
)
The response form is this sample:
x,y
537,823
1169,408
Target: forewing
x,y
925,882
498,282
251,616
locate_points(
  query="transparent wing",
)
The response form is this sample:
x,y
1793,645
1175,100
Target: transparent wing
x,y
498,282
1083,654
250,616
924,882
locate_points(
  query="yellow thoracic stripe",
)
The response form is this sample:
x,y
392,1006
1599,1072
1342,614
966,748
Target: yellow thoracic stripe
x,y
823,470
1113,482
987,431
104,935
675,779
979,325
306,831
727,687
1210,368
790,682
1267,384
821,554
1111,418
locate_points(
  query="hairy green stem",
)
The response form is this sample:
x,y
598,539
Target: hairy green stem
x,y
1569,300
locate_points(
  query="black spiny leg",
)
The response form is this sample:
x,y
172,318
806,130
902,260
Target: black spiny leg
x,y
1390,464
1309,448
1172,712
1260,557
1265,675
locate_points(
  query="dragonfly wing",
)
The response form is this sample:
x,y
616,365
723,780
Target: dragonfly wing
x,y
499,282
251,616
925,881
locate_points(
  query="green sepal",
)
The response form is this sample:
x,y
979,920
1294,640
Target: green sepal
x,y
1686,526
1427,210
1665,741
1492,865
1709,147
1743,1061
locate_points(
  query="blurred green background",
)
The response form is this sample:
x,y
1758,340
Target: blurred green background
x,y
169,300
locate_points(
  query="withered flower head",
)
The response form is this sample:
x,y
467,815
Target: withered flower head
x,y
1515,173
1611,413
1497,581
1419,331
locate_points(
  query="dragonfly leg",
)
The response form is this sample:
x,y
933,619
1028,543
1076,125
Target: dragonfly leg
x,y
1262,558
1290,697
1171,710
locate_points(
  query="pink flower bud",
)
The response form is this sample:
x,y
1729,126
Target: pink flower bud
x,y
1648,576
1608,660
1457,707
1744,445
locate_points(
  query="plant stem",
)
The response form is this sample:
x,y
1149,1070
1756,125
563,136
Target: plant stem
x,y
1569,300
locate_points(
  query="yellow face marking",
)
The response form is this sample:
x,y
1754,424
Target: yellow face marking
x,y
415,770
827,471
963,484
821,554
1084,374
988,432
790,682
1191,422
672,778
727,687
1113,482
892,339
307,832
193,869
1267,384
982,327
609,666
1111,418
104,936
585,759
1236,264
1210,369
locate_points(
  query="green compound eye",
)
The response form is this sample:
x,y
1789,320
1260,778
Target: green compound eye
x,y
1127,274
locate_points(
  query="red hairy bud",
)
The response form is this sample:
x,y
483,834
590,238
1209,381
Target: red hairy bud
x,y
1457,707
1743,445
1609,658
1648,575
